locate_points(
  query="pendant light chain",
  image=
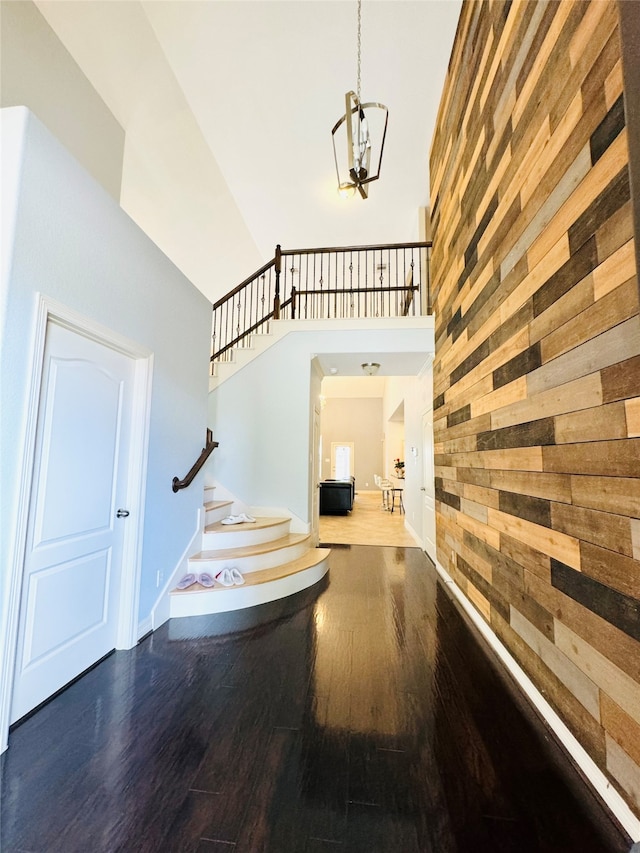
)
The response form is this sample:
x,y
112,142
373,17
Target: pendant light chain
x,y
359,45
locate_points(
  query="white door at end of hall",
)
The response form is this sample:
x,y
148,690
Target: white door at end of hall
x,y
428,491
342,465
69,607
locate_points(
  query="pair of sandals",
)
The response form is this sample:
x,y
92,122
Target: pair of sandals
x,y
226,577
230,577
204,579
243,518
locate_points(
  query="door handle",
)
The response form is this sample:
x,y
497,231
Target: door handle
x,y
422,489
122,513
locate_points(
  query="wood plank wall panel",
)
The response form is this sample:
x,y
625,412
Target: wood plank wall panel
x,y
537,369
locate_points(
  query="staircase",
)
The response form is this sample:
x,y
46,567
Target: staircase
x,y
274,562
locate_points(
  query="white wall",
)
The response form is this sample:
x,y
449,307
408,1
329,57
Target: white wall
x,y
73,243
418,401
172,185
359,420
38,72
261,414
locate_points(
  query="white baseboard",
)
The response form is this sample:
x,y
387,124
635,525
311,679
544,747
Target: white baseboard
x,y
599,782
160,610
144,627
412,532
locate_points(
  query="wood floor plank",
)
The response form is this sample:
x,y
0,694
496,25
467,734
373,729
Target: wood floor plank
x,y
366,719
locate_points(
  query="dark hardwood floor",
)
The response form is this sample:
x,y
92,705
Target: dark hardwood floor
x,y
366,718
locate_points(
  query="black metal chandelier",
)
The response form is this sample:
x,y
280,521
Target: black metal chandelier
x,y
365,128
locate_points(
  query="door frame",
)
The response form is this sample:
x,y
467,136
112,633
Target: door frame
x,y
427,453
51,311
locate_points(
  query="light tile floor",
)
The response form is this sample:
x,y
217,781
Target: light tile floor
x,y
367,524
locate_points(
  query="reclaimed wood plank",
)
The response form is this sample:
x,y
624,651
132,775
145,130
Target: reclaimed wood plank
x,y
553,543
615,270
624,770
621,380
540,271
617,458
615,231
610,310
635,537
611,568
601,424
504,396
620,726
632,415
610,347
583,393
619,495
573,678
615,607
612,161
612,680
577,299
573,712
590,525
554,487
611,642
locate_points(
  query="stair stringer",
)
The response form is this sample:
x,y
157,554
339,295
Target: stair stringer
x,y
276,562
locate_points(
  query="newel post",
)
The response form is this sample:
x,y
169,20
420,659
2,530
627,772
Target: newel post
x,y
276,298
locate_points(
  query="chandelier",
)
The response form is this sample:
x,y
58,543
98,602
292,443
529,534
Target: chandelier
x,y
362,129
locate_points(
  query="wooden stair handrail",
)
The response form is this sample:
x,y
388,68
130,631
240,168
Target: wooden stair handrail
x,y
176,483
264,295
323,250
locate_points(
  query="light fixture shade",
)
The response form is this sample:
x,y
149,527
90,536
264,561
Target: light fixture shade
x,y
358,143
370,368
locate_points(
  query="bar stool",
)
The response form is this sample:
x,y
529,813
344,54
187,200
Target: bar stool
x,y
385,487
395,491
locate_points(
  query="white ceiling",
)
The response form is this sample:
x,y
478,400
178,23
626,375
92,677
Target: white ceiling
x,y
340,364
265,82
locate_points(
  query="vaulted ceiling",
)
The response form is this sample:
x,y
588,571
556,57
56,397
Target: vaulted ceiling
x,y
264,82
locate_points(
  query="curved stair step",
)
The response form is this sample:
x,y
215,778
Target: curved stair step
x,y
262,523
259,587
256,549
217,504
265,529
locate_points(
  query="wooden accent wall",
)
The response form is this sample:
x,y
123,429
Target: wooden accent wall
x,y
537,369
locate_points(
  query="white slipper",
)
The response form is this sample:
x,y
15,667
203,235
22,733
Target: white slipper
x,y
224,577
186,581
246,517
232,519
236,577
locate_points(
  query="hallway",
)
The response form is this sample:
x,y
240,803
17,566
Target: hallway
x,y
368,720
368,523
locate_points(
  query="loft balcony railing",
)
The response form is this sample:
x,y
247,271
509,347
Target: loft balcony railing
x,y
389,280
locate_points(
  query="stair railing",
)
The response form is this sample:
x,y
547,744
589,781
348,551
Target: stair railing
x,y
389,280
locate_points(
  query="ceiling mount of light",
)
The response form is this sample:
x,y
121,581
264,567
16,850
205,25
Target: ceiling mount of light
x,y
362,128
370,368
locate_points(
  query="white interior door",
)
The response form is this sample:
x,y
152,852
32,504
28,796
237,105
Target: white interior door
x,y
73,560
342,465
428,491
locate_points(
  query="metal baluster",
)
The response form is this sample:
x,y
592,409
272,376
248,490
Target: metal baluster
x,y
413,273
404,268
